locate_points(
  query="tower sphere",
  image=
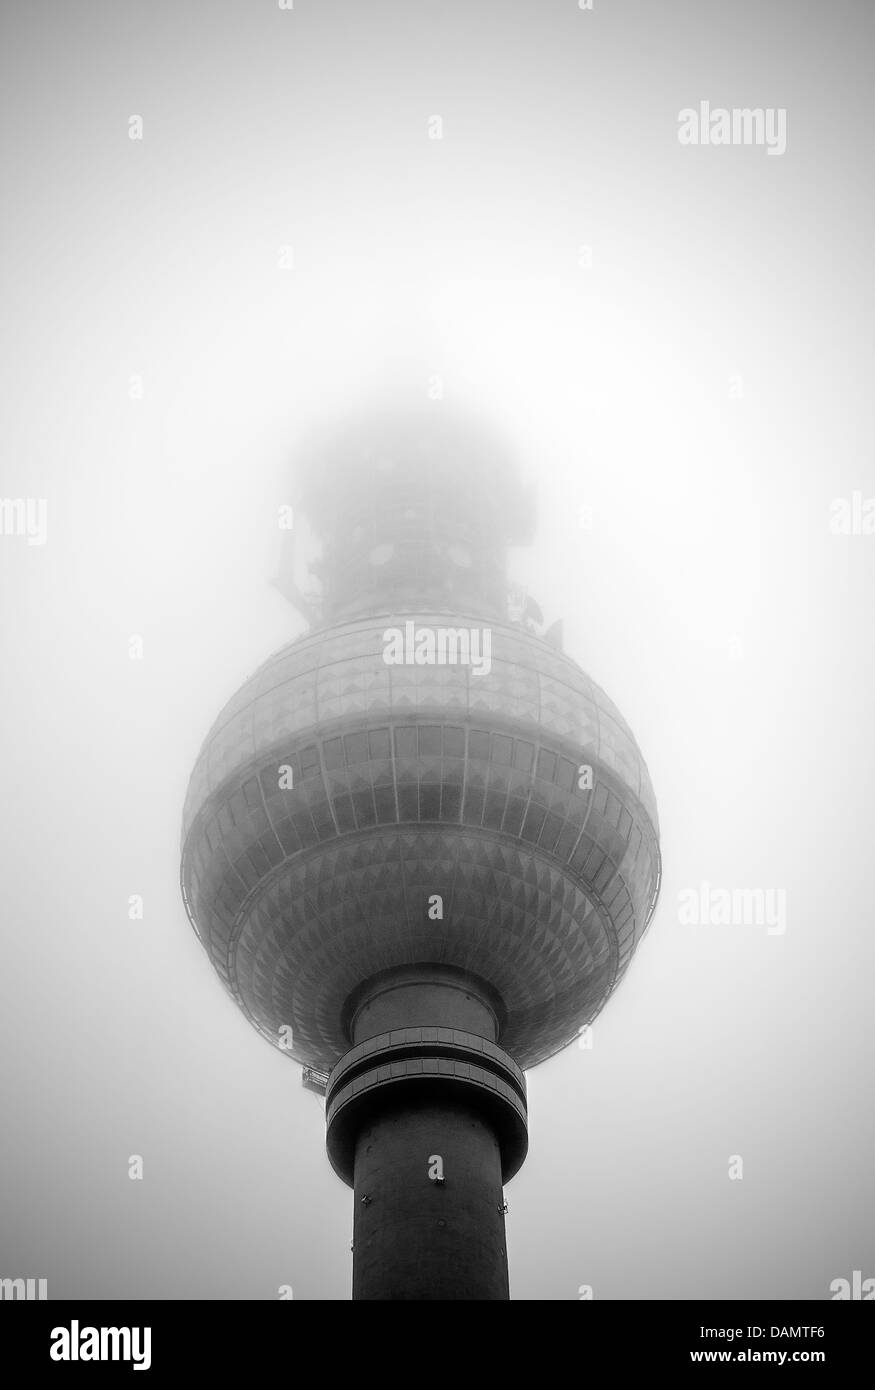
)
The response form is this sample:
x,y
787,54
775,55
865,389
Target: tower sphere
x,y
352,817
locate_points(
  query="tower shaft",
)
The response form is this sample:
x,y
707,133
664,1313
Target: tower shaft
x,y
415,1238
426,1121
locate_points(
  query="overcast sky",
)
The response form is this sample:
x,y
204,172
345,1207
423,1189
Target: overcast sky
x,y
678,340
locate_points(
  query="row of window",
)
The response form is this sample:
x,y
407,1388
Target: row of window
x,y
436,740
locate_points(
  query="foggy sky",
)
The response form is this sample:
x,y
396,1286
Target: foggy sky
x,y
699,394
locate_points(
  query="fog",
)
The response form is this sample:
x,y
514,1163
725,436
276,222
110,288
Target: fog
x,y
676,340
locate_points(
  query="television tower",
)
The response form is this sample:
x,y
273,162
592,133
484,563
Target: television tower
x,y
420,846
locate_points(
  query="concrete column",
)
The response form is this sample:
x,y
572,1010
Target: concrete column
x,y
420,997
426,1120
415,1238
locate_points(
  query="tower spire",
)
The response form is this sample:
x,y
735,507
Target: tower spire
x,y
412,512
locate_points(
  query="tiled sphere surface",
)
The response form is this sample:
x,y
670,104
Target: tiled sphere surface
x,y
408,782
